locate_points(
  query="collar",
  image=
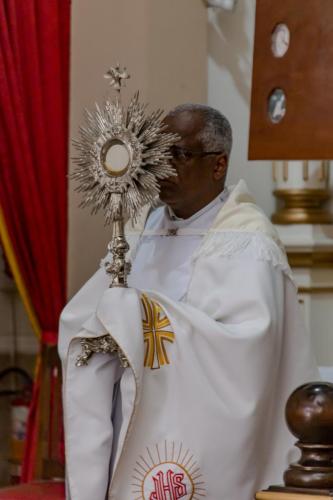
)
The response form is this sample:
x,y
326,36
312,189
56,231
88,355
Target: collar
x,y
220,198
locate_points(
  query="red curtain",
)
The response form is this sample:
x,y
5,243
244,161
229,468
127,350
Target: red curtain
x,y
34,83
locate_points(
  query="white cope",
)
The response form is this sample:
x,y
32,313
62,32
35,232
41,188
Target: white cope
x,y
215,344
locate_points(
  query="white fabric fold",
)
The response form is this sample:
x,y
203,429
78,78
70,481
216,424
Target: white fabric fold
x,y
89,393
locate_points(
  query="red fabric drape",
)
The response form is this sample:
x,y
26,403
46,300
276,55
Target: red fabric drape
x,y
34,83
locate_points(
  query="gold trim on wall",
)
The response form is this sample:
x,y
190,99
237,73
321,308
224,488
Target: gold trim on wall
x,y
315,290
303,206
315,259
315,194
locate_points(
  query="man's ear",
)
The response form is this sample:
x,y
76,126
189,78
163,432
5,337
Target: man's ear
x,y
221,166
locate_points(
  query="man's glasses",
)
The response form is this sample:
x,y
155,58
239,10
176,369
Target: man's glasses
x,y
182,154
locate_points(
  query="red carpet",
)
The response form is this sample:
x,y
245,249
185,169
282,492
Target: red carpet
x,y
42,490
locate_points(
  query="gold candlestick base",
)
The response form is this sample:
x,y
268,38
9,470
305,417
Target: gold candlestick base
x,y
303,206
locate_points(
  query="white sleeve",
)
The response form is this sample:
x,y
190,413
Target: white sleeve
x,y
88,395
87,419
88,391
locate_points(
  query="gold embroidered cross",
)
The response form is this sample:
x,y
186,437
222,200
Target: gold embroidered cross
x,y
154,333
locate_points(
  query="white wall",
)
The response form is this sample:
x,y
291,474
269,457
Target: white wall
x,y
230,52
230,47
168,60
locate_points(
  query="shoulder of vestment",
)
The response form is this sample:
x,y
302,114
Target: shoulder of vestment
x,y
241,229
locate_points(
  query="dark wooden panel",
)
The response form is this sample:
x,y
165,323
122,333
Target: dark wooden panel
x,y
305,74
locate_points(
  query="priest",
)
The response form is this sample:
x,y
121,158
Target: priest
x,y
210,343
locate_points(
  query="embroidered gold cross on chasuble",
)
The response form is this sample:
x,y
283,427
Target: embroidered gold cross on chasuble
x,y
155,334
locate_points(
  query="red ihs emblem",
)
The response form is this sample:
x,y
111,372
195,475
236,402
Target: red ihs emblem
x,y
168,486
169,473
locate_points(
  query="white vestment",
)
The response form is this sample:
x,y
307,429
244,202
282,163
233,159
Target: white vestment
x,y
199,413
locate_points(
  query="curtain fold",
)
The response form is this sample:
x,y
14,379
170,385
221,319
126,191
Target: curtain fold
x,y
34,90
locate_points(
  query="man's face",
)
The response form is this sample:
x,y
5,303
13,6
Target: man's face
x,y
197,182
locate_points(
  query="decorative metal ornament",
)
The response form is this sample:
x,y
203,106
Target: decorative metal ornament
x,y
116,76
122,155
122,152
105,345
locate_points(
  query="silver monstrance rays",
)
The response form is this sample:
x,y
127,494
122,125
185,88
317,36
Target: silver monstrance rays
x,y
122,155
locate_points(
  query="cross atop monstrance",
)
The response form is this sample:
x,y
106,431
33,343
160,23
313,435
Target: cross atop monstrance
x,y
117,77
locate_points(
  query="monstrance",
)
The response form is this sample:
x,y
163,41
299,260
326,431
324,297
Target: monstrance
x,y
123,153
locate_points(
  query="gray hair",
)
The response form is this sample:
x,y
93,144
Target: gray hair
x,y
216,134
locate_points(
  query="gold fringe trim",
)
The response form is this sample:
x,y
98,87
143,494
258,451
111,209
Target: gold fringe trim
x,y
10,255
